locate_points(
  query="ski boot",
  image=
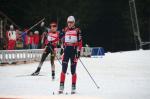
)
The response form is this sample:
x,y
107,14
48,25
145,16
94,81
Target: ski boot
x,y
53,75
73,90
61,88
36,72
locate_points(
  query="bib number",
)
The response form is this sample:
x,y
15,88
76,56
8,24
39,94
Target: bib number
x,y
71,39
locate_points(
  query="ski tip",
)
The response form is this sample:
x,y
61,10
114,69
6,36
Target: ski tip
x,y
32,75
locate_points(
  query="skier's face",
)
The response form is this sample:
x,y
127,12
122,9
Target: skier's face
x,y
70,24
53,27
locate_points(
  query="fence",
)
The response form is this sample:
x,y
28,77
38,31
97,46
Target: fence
x,y
14,56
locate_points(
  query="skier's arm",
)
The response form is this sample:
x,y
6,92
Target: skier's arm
x,y
61,40
79,37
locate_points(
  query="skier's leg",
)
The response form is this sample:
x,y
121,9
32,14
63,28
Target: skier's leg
x,y
73,70
44,55
53,54
64,68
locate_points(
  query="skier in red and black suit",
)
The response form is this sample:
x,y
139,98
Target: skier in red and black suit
x,y
72,48
50,48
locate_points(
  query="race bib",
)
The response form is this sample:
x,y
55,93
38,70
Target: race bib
x,y
52,37
49,38
71,37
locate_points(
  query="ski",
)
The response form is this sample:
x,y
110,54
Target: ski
x,y
36,75
64,93
28,75
58,93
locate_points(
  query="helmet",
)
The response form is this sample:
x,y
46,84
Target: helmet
x,y
71,19
11,27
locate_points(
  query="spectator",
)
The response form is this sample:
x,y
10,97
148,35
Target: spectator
x,y
31,44
11,35
36,39
23,35
29,40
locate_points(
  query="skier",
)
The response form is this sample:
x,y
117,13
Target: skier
x,y
52,40
36,39
72,47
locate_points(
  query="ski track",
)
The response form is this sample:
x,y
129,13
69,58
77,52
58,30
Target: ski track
x,y
121,75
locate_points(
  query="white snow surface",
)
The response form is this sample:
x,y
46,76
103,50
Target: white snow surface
x,y
120,75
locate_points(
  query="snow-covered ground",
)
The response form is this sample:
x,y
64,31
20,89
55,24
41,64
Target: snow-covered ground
x,y
121,75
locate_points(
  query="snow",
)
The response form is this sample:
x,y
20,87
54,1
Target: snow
x,y
121,75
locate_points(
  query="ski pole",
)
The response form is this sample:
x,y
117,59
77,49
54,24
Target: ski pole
x,y
56,56
58,60
89,74
36,24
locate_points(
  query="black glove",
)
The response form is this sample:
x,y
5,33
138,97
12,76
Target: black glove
x,y
61,51
78,54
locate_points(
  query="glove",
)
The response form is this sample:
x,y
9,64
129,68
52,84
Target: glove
x,y
49,44
61,51
78,54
